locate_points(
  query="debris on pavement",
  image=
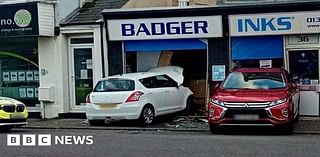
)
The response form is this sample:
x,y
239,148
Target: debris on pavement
x,y
188,122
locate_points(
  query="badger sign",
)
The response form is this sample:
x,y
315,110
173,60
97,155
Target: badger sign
x,y
165,28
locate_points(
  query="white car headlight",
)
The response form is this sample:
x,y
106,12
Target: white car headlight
x,y
216,102
277,102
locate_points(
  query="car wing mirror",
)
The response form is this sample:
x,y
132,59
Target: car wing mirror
x,y
293,86
217,85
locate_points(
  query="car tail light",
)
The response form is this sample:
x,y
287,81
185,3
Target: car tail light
x,y
88,99
134,96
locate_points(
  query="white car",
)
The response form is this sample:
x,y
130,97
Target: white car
x,y
141,96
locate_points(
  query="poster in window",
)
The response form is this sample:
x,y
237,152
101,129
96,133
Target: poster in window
x,y
14,76
36,75
265,63
36,92
218,72
22,93
89,63
21,76
29,76
83,74
6,76
30,93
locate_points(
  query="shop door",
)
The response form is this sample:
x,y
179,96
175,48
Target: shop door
x,y
304,69
81,75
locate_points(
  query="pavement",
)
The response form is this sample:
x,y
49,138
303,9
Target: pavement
x,y
306,125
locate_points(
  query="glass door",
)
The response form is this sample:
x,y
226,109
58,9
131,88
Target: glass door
x,y
304,70
81,75
304,66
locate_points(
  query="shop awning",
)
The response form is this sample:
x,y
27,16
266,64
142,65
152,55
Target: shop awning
x,y
159,45
266,47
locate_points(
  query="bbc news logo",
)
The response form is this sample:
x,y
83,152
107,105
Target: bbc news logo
x,y
47,140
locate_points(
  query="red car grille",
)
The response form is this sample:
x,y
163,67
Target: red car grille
x,y
236,104
250,111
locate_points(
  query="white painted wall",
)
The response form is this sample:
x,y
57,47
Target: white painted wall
x,y
62,83
46,19
48,62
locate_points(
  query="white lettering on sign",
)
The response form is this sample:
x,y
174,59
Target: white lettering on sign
x,y
47,140
165,28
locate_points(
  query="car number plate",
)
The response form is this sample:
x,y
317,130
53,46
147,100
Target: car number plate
x,y
16,116
246,117
108,106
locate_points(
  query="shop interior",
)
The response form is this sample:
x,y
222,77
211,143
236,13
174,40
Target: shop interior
x,y
194,63
19,69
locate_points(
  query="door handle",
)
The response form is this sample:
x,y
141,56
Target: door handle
x,y
166,91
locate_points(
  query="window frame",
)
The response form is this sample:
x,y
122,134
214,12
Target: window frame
x,y
155,82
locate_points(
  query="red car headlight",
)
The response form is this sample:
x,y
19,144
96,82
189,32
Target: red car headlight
x,y
279,109
216,102
215,109
277,102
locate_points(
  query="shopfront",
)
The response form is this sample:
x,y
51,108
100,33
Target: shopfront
x,y
152,39
21,27
289,40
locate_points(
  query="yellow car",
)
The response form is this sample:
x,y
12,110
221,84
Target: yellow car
x,y
12,113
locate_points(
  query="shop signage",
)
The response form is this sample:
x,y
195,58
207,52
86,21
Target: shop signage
x,y
19,20
264,24
303,39
274,23
165,28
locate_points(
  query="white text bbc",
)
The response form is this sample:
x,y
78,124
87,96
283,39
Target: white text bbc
x,y
47,140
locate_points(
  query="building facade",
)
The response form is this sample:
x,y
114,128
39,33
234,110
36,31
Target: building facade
x,y
33,59
24,26
65,46
270,35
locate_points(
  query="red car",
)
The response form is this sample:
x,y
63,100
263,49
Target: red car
x,y
255,97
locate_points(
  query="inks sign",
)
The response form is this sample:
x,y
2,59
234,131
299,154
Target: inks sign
x,y
275,23
266,24
19,20
165,28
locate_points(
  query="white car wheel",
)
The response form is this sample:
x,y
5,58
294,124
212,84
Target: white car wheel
x,y
147,115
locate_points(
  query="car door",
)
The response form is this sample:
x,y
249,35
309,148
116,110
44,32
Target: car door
x,y
174,96
155,93
295,93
